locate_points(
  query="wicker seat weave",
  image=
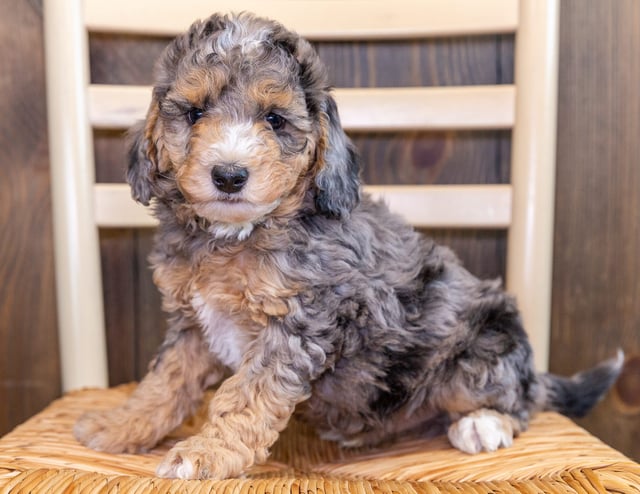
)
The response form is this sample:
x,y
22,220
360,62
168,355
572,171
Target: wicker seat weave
x,y
554,455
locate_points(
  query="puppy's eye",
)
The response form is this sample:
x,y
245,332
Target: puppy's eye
x,y
275,120
194,115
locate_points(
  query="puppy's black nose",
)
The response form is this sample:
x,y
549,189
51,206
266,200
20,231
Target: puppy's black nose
x,y
229,179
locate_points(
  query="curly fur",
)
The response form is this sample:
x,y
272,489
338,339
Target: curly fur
x,y
311,296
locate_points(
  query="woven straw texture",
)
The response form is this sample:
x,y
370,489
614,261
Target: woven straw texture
x,y
554,455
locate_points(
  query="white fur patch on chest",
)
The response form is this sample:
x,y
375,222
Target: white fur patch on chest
x,y
226,340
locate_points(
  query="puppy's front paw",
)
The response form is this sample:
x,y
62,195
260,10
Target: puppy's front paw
x,y
202,458
114,431
482,430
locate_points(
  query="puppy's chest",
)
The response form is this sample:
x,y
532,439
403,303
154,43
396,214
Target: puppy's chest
x,y
248,287
227,339
232,298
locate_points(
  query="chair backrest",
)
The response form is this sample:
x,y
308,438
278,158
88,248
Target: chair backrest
x,y
528,107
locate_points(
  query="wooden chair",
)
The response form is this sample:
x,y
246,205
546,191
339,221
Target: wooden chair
x,y
41,454
524,207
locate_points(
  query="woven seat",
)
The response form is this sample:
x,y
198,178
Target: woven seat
x,y
41,455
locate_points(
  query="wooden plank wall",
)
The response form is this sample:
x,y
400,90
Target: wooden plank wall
x,y
29,365
596,288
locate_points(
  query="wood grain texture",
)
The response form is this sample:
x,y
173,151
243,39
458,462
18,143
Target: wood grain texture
x,y
120,269
29,362
135,324
151,323
596,295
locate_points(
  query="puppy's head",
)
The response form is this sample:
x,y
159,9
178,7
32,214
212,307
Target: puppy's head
x,y
242,127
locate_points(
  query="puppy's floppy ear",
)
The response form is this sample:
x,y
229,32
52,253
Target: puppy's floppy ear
x,y
337,177
149,165
337,163
142,172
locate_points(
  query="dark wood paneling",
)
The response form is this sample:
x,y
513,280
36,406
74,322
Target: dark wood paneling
x,y
119,273
151,322
436,62
596,298
29,363
435,157
135,324
110,155
124,59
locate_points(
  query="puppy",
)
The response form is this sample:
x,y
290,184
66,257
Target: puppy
x,y
291,289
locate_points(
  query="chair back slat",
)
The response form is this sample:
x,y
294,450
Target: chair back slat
x,y
361,109
316,20
476,206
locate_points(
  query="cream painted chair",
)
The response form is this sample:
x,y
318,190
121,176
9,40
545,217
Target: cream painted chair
x,y
524,207
554,454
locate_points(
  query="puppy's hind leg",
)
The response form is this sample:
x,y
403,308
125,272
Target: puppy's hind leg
x,y
483,430
170,391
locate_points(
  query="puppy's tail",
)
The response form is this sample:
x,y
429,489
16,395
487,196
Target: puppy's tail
x,y
574,396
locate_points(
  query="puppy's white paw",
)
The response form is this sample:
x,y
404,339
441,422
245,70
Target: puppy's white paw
x,y
183,470
202,457
482,430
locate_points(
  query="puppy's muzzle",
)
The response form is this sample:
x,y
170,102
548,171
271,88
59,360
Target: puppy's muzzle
x,y
229,179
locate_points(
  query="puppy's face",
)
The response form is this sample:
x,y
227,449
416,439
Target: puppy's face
x,y
242,127
237,132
